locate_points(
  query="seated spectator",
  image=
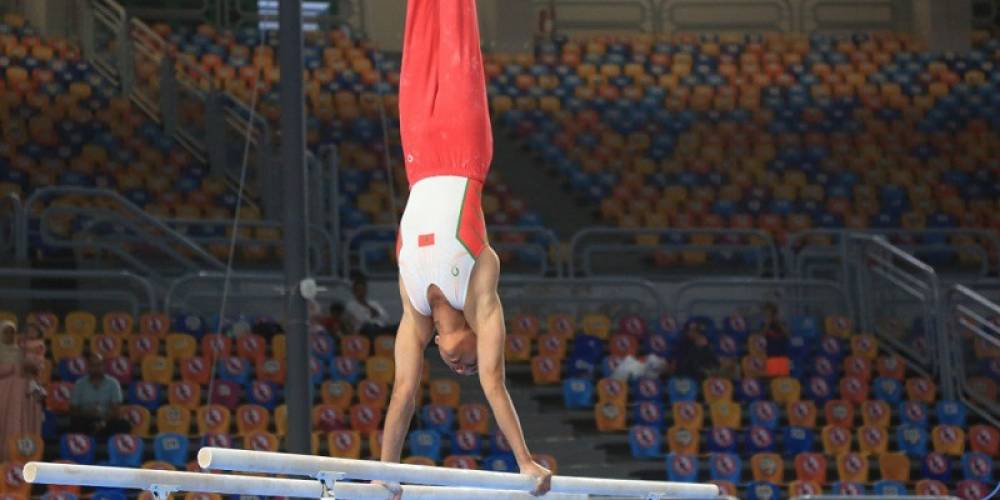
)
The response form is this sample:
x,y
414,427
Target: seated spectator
x,y
94,402
694,357
332,322
776,335
21,410
364,315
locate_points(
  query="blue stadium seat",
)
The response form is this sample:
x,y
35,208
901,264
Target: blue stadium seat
x,y
645,441
725,467
78,448
798,440
950,413
682,389
125,450
977,467
721,440
578,393
425,443
437,418
889,488
503,462
172,449
682,468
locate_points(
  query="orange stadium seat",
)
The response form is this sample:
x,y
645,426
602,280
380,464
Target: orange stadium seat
x,y
852,467
344,444
609,416
355,346
180,346
801,414
213,419
811,467
117,323
725,414
948,440
688,414
768,467
546,370
612,390
385,346
25,448
260,441
174,419
518,348
683,440
474,417
184,394
374,393
138,417
251,419
337,393
140,346
380,369
836,439
894,467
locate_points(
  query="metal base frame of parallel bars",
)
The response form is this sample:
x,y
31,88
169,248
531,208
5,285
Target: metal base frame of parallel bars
x,y
330,480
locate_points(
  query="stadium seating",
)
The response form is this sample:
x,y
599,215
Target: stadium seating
x,y
783,132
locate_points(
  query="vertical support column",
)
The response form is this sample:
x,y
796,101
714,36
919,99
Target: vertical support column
x,y
215,133
168,95
946,26
126,76
268,173
85,28
293,148
332,161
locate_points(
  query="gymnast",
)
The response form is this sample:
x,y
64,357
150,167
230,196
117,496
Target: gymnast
x,y
448,272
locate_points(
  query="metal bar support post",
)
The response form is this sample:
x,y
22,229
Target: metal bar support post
x,y
293,150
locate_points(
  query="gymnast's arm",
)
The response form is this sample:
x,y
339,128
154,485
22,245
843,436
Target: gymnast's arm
x,y
415,331
484,312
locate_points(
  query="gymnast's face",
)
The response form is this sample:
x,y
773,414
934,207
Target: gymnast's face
x,y
455,340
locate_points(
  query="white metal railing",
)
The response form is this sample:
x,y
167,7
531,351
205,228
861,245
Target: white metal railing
x,y
599,243
895,292
973,331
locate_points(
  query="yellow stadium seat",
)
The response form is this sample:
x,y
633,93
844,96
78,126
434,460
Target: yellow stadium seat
x,y
157,369
173,418
597,325
81,323
66,346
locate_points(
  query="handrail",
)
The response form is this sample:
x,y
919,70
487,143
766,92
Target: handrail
x,y
131,209
576,244
176,286
963,318
926,290
650,290
796,249
680,306
546,233
141,282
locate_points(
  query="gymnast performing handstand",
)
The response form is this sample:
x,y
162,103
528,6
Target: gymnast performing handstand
x,y
448,272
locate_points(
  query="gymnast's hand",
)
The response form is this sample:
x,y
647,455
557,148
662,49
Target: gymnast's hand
x,y
542,476
394,489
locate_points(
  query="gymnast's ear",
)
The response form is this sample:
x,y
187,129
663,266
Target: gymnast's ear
x,y
437,339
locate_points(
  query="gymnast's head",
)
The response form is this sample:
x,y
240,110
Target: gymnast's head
x,y
454,338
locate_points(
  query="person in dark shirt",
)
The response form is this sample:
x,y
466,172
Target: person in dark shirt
x,y
694,356
776,335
